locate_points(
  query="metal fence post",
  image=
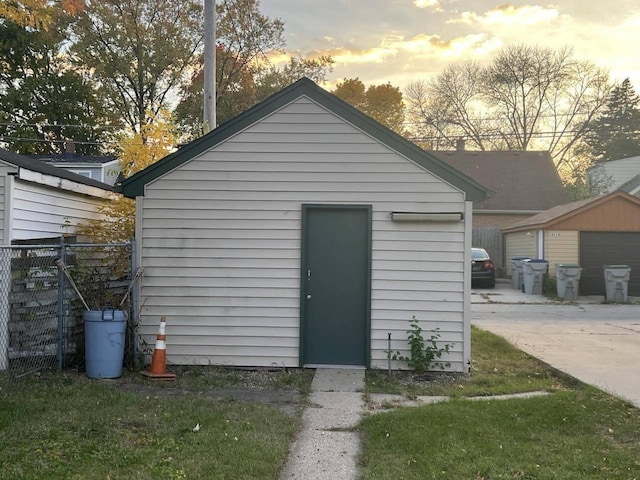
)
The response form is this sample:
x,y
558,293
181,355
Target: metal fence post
x,y
61,302
5,287
134,303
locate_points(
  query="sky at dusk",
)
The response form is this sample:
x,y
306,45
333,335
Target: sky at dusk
x,y
400,41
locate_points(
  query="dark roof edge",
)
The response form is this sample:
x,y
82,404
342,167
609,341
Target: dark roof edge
x,y
41,167
630,185
134,186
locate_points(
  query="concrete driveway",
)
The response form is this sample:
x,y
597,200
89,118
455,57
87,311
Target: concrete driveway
x,y
594,342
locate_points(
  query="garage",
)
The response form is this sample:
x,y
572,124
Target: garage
x,y
608,248
593,232
303,233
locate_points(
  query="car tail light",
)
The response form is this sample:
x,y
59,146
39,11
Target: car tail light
x,y
487,265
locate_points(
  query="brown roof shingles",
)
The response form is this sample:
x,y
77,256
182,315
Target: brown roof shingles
x,y
553,213
521,181
556,214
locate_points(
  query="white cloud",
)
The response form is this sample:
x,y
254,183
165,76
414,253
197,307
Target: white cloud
x,y
509,15
426,3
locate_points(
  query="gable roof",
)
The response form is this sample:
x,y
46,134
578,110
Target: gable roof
x,y
614,174
521,181
24,162
134,186
560,213
632,186
65,158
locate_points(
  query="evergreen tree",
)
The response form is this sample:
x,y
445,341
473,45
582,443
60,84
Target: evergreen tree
x,y
616,133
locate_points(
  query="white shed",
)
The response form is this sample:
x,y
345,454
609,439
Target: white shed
x,y
41,201
302,233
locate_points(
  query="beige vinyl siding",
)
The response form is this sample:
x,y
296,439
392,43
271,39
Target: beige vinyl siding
x,y
222,235
560,246
520,244
40,211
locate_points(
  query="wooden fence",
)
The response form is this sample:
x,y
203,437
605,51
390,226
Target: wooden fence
x,y
491,239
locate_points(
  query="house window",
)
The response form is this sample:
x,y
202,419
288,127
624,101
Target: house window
x,y
84,173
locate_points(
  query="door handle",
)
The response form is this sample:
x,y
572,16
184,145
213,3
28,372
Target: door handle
x,y
308,297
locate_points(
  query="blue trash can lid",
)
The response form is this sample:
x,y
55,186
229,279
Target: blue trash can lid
x,y
537,260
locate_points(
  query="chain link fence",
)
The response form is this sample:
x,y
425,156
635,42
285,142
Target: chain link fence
x,y
44,289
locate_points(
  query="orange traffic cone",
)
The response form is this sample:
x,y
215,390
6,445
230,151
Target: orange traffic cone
x,y
158,368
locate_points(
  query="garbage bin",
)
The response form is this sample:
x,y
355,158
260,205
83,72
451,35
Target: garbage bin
x,y
567,280
516,272
616,282
533,271
104,333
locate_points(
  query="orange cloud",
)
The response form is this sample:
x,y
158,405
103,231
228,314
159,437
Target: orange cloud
x,y
425,47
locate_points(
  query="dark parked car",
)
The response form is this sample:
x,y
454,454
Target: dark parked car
x,y
483,271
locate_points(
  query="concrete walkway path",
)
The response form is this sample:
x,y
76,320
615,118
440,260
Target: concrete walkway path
x,y
325,448
594,342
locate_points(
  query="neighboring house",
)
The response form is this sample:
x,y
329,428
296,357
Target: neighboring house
x,y
614,174
522,184
593,232
103,168
41,201
632,186
302,233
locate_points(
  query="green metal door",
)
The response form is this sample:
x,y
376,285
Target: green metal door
x,y
335,285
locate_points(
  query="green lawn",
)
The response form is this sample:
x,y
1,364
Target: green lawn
x,y
61,425
580,434
575,432
65,426
496,368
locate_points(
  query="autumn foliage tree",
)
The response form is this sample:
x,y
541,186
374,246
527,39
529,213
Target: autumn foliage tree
x,y
381,102
140,52
136,152
246,42
37,14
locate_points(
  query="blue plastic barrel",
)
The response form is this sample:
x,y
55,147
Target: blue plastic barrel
x,y
104,333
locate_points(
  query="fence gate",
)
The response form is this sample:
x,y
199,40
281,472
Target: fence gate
x,y
40,313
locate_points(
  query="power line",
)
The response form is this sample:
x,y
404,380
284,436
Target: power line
x,y
60,125
42,140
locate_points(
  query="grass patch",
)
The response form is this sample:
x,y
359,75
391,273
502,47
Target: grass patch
x,y
65,426
578,434
575,433
496,368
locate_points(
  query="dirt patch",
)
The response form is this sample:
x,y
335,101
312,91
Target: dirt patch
x,y
283,388
409,378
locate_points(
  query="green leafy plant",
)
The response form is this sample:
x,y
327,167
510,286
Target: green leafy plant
x,y
423,352
550,286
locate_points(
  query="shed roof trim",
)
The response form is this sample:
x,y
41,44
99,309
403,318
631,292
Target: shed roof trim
x,y
26,165
134,186
562,212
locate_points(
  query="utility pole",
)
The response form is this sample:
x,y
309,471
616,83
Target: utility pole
x,y
209,65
